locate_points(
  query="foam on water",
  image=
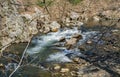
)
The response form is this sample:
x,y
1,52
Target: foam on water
x,y
58,57
44,42
49,39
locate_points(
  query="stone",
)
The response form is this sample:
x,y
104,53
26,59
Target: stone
x,y
77,36
62,39
76,60
71,41
54,26
89,42
57,67
82,48
63,70
74,15
96,18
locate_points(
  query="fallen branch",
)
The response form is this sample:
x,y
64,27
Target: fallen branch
x,y
20,60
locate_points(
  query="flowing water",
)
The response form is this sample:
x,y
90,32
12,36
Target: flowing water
x,y
48,50
43,47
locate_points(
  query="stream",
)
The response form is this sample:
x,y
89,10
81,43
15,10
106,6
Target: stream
x,y
62,49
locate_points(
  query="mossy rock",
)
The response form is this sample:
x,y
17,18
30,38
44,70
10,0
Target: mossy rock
x,y
32,71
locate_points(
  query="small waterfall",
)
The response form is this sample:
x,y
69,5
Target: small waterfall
x,y
41,46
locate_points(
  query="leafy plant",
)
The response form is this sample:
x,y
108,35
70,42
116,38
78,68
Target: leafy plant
x,y
75,1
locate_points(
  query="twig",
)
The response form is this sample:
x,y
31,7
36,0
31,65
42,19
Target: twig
x,y
46,7
3,48
64,8
20,60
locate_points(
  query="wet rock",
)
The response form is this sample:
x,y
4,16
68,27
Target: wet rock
x,y
89,42
78,36
62,39
77,60
82,48
63,70
71,41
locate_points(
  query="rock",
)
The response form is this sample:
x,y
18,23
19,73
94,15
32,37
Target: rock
x,y
78,23
46,29
96,18
76,60
74,15
82,48
54,26
77,36
89,42
57,67
63,70
71,41
62,39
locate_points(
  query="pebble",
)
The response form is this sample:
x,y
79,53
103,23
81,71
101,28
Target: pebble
x,y
63,70
57,67
89,42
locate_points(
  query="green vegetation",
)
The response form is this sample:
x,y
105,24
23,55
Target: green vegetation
x,y
75,1
42,3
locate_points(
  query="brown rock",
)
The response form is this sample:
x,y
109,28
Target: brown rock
x,y
72,41
54,29
82,48
76,60
77,36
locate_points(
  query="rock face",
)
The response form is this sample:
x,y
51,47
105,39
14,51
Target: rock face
x,y
14,28
19,27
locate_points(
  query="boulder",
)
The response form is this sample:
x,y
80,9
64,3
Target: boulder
x,y
54,26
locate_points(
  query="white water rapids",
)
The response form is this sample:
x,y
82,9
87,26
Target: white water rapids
x,y
41,46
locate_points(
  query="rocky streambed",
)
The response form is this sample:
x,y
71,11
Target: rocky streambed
x,y
98,48
92,49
